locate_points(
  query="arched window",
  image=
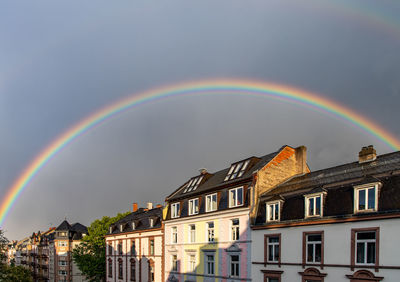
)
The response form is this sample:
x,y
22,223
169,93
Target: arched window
x,y
364,276
312,274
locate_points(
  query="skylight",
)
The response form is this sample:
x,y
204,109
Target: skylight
x,y
193,184
237,170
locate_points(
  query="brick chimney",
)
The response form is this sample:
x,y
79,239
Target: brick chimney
x,y
149,206
134,207
367,154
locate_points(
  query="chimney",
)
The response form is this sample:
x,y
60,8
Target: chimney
x,y
203,171
149,206
367,154
134,207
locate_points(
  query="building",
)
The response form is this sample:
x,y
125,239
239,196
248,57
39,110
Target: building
x,y
207,230
134,246
64,239
336,224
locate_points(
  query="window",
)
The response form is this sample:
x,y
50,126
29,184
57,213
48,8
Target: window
x,y
237,170
62,272
193,206
365,245
151,222
272,275
111,229
110,249
133,225
365,198
313,205
272,247
211,202
133,248
174,263
121,227
236,197
193,184
234,266
62,244
133,270
120,270
192,233
109,268
175,212
120,248
192,263
210,231
210,264
151,271
313,250
312,275
151,249
62,263
235,229
174,231
273,211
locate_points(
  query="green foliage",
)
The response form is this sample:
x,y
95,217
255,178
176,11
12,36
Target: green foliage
x,y
89,256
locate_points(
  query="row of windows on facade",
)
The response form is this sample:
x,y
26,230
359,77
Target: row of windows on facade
x,y
134,225
363,242
210,232
235,200
365,201
133,248
132,270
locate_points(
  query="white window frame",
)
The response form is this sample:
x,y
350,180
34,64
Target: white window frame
x,y
210,232
174,262
62,244
235,230
62,263
274,246
307,203
209,202
365,242
191,263
234,202
366,187
194,206
175,212
174,234
237,266
275,214
192,233
314,244
210,264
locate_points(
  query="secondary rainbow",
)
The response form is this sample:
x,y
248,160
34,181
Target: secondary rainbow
x,y
207,87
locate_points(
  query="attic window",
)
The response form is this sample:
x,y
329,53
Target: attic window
x,y
193,184
151,222
121,227
237,170
133,225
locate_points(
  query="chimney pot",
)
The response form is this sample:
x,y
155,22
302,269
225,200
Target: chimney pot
x,y
149,205
367,154
203,171
134,207
159,206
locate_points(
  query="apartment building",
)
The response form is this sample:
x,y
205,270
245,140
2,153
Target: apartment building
x,y
207,219
135,246
336,224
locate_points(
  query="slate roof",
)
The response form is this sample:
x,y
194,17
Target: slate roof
x,y
75,231
338,183
142,221
216,181
64,226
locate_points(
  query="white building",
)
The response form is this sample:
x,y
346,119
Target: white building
x,y
336,224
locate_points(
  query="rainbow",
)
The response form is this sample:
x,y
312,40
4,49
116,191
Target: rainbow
x,y
208,87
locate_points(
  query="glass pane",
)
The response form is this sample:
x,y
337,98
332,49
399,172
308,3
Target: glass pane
x,y
360,252
245,165
276,211
238,166
240,196
276,257
232,197
273,280
314,238
371,252
273,239
270,252
310,251
371,198
235,258
271,212
317,252
311,206
366,235
361,199
318,206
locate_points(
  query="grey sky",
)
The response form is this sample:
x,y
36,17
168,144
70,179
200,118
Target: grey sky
x,y
61,61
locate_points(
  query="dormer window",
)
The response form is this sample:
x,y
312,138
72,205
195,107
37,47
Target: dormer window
x,y
237,170
151,222
273,211
194,206
175,212
313,205
193,184
121,227
366,198
133,225
236,197
111,229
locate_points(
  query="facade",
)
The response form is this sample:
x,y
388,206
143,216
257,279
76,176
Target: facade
x,y
335,224
66,238
207,219
134,246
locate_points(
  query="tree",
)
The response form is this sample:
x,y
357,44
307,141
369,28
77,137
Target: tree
x,y
90,254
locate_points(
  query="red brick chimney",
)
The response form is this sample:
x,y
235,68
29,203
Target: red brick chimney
x,y
134,207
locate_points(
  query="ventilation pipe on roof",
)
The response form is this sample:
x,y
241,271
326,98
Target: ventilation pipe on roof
x,y
149,206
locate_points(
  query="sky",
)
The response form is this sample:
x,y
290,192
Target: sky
x,y
61,61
